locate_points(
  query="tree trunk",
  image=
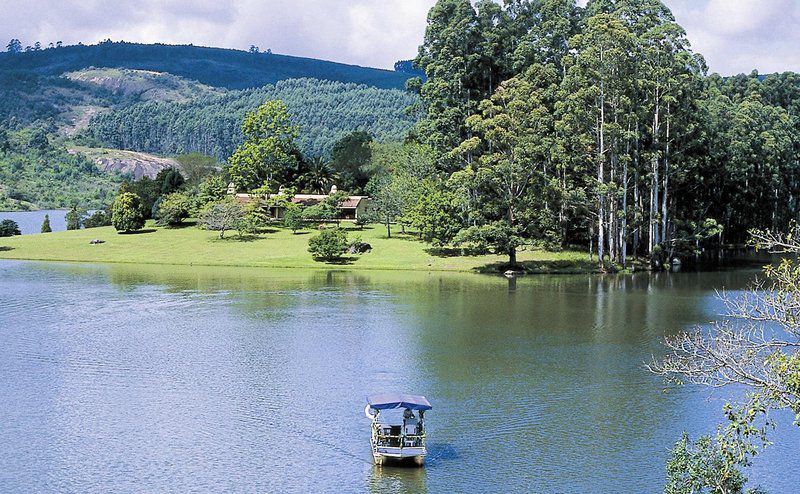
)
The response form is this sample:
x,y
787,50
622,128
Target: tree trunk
x,y
665,191
623,231
512,256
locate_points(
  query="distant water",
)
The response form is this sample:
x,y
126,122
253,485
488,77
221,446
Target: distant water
x,y
185,379
30,222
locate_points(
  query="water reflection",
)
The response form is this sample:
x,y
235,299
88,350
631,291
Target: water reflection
x,y
394,479
189,378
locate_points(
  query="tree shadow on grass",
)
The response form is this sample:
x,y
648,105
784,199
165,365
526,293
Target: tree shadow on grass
x,y
342,261
5,248
238,238
139,232
268,231
182,225
563,266
302,233
444,251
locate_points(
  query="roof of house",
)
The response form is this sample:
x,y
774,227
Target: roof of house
x,y
351,202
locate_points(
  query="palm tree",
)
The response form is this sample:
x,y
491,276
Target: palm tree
x,y
319,177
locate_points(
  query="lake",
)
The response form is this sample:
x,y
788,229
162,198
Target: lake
x,y
30,222
152,378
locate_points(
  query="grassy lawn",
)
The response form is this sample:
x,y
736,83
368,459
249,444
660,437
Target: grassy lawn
x,y
276,248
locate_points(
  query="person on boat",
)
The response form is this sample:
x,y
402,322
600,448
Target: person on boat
x,y
410,424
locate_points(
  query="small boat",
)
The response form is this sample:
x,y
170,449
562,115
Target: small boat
x,y
398,436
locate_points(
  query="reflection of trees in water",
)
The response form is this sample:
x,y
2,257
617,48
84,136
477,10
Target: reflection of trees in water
x,y
556,365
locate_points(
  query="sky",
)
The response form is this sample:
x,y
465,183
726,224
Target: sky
x,y
734,35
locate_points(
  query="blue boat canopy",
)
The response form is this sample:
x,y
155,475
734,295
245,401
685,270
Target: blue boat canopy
x,y
391,401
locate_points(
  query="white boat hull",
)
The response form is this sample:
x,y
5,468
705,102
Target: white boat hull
x,y
391,455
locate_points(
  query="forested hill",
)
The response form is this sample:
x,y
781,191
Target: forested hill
x,y
218,67
210,123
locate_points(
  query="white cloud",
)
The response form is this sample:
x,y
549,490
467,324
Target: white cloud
x,y
734,35
737,36
365,32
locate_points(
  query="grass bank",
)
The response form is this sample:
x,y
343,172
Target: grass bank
x,y
276,248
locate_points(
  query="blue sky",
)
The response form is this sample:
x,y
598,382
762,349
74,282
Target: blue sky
x,y
734,35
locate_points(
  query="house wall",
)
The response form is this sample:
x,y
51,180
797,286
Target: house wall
x,y
363,207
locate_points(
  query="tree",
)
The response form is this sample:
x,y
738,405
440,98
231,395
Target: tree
x,y
98,219
147,190
350,155
197,166
267,152
38,140
511,146
9,228
14,46
294,219
126,213
753,347
5,143
327,209
221,216
437,215
212,188
703,466
388,198
450,57
46,224
75,218
169,180
173,209
318,177
329,245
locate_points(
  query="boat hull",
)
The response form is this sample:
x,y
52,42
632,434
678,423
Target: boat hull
x,y
405,461
410,457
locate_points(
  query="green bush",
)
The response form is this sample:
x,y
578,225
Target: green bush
x,y
294,219
329,245
173,209
9,228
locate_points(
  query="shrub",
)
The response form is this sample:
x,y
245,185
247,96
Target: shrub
x,y
329,245
126,213
173,209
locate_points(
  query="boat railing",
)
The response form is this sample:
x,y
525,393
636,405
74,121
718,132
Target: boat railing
x,y
400,440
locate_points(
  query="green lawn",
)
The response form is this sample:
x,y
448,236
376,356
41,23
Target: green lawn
x,y
277,248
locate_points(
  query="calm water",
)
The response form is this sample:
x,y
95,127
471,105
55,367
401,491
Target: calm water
x,y
131,379
30,222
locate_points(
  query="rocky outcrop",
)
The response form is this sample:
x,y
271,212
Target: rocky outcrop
x,y
138,165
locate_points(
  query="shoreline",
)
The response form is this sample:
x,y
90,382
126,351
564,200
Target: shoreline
x,y
275,248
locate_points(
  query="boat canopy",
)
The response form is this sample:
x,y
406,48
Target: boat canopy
x,y
391,401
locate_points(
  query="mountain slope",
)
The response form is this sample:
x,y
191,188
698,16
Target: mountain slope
x,y
210,124
218,67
